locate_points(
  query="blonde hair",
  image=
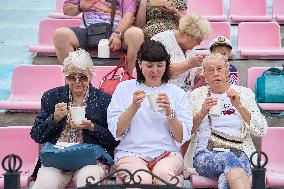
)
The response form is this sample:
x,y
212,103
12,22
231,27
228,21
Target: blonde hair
x,y
214,56
196,26
79,59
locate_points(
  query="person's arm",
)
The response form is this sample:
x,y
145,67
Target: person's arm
x,y
75,7
44,128
178,68
140,19
126,117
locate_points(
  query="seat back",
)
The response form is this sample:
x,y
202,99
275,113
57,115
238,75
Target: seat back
x,y
218,28
248,8
208,8
252,74
29,82
278,8
267,36
49,25
271,144
17,140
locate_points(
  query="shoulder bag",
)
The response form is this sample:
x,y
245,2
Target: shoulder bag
x,y
99,31
73,157
223,142
110,81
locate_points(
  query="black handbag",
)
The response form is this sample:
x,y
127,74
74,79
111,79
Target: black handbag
x,y
98,31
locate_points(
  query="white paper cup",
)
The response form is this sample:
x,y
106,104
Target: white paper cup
x,y
103,49
153,103
77,113
216,110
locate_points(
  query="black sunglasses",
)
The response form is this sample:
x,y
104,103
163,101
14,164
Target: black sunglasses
x,y
77,78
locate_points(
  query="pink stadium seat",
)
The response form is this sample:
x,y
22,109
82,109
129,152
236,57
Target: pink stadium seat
x,y
45,34
218,28
252,10
278,10
252,74
58,12
213,10
17,140
271,145
204,182
265,42
28,84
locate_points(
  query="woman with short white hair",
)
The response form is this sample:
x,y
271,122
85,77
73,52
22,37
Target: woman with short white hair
x,y
193,29
221,144
54,124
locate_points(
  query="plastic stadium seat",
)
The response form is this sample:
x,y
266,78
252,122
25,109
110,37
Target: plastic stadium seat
x,y
278,10
29,82
203,182
252,10
218,28
213,10
45,34
17,140
252,74
275,165
259,39
58,12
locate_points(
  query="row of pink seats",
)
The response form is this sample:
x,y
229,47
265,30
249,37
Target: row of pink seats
x,y
265,42
17,140
213,10
29,82
240,10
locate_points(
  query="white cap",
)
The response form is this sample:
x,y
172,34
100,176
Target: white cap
x,y
220,40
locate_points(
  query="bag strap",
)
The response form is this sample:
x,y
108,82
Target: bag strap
x,y
119,65
273,70
113,9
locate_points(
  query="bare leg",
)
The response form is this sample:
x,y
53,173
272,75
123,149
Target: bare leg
x,y
65,41
238,179
133,38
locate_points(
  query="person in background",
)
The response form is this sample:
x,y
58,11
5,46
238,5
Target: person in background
x,y
123,35
155,16
53,123
223,46
150,139
193,29
239,119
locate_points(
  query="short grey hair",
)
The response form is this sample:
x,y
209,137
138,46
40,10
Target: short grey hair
x,y
214,56
79,59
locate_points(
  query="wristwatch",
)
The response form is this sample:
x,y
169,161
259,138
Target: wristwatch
x,y
118,34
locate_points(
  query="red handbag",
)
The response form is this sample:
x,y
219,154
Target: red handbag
x,y
109,84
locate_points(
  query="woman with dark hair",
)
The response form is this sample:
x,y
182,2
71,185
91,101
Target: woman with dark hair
x,y
150,137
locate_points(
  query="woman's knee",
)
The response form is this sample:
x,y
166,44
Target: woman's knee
x,y
134,35
61,36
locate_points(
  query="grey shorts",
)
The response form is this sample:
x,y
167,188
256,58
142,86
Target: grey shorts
x,y
82,37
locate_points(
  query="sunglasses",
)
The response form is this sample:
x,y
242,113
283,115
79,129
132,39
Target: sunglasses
x,y
77,78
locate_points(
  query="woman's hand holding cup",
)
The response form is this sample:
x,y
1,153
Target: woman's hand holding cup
x,y
207,104
60,111
138,97
85,124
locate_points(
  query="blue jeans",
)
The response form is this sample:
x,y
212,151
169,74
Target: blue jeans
x,y
217,164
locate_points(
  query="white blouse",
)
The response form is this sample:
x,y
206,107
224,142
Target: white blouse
x,y
149,134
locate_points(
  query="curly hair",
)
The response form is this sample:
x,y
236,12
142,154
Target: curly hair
x,y
196,26
152,51
214,56
80,59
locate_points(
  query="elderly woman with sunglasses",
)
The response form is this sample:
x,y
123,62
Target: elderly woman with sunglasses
x,y
150,139
53,123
